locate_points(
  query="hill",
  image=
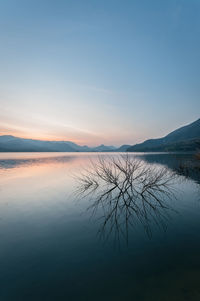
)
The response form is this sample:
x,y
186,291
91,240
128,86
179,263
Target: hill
x,y
10,143
186,138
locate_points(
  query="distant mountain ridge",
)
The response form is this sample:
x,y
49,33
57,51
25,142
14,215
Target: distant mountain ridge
x,y
123,148
10,143
186,138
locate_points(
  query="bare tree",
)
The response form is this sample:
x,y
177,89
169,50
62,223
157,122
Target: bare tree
x,y
127,190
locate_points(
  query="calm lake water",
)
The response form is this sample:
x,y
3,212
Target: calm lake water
x,y
53,246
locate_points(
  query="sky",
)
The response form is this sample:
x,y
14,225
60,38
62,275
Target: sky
x,y
112,72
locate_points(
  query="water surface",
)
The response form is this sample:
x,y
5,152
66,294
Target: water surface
x,y
52,248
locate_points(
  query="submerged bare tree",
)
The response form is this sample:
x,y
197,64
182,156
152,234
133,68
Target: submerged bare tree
x,y
127,190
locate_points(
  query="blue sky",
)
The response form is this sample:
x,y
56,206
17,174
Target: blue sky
x,y
94,72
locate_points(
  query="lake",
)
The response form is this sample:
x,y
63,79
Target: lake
x,y
57,243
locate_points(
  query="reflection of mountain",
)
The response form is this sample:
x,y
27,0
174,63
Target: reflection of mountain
x,y
14,144
13,163
186,138
183,164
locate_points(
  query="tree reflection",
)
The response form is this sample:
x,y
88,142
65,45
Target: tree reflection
x,y
127,191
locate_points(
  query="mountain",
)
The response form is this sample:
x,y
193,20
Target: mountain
x,y
10,143
186,138
123,148
104,148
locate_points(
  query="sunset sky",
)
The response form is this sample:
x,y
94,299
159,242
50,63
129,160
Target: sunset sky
x,y
112,72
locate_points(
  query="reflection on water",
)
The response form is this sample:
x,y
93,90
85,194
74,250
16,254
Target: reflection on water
x,y
127,191
184,164
29,159
49,247
9,163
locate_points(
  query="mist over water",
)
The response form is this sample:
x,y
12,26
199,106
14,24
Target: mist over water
x,y
52,246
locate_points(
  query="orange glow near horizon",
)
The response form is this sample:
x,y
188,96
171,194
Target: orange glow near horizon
x,y
53,137
78,135
42,137
88,140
